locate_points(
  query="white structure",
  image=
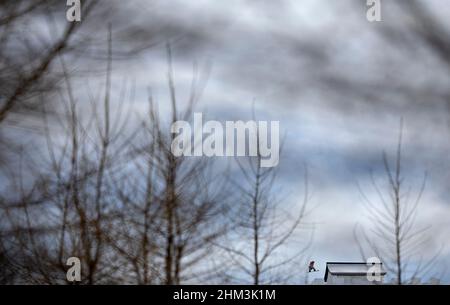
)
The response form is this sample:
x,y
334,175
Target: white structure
x,y
352,273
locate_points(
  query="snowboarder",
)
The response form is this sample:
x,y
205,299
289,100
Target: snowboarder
x,y
311,267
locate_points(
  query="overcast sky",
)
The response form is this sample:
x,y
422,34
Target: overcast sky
x,y
338,84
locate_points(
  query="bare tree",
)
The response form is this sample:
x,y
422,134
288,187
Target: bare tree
x,y
263,239
190,197
63,205
172,207
24,76
394,236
